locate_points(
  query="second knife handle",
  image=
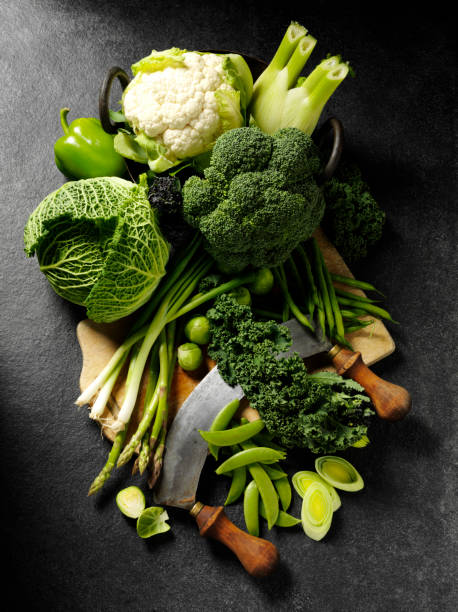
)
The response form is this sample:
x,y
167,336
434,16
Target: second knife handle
x,y
391,402
259,557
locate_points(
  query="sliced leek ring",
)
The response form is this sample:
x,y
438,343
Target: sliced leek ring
x,y
339,473
302,480
316,513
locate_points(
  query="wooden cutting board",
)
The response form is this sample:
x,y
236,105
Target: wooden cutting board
x,y
98,342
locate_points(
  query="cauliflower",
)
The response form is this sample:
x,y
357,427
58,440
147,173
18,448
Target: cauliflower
x,y
179,102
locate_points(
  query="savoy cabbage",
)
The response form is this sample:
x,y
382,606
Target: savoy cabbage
x,y
99,245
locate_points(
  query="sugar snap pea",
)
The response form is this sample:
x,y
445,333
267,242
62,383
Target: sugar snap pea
x,y
229,437
284,492
267,492
274,471
261,454
283,519
221,421
237,485
251,508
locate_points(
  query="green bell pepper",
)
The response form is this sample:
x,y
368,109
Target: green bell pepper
x,y
86,150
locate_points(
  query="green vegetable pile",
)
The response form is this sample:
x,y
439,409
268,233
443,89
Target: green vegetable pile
x,y
259,198
220,218
322,412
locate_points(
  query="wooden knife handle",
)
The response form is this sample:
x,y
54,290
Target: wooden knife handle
x,y
259,557
391,402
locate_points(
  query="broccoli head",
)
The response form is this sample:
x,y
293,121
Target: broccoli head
x,y
353,219
258,199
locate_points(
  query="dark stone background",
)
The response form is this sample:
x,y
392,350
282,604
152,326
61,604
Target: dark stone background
x,y
391,546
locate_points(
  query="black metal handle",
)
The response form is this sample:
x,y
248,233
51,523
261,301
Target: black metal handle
x,y
334,128
104,97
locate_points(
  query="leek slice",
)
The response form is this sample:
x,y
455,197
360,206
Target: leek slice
x,y
302,480
316,514
339,473
131,502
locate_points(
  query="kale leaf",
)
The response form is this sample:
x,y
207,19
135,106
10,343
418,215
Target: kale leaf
x,y
322,412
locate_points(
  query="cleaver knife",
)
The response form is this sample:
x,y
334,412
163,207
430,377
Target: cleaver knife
x,y
186,450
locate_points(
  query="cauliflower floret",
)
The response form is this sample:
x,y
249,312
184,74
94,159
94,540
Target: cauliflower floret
x,y
177,105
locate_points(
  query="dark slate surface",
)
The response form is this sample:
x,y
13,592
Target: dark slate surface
x,y
392,546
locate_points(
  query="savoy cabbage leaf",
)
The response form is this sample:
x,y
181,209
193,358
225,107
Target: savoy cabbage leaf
x,y
99,245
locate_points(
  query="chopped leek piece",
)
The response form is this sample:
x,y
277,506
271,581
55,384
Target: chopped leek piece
x,y
152,521
362,442
302,480
339,473
316,511
131,502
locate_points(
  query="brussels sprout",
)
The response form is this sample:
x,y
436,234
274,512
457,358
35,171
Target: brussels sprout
x,y
197,330
263,282
131,502
189,356
152,521
241,295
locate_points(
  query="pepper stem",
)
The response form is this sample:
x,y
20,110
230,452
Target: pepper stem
x,y
63,119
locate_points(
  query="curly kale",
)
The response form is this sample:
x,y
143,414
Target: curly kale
x,y
165,197
353,219
258,199
322,412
